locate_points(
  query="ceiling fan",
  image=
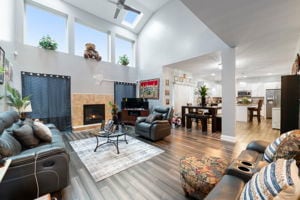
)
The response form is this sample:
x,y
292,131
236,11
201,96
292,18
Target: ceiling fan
x,y
121,5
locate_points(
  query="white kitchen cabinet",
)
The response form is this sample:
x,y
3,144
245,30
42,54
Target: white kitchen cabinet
x,y
276,118
241,113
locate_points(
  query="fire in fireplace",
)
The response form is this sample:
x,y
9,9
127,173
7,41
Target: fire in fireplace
x,y
93,113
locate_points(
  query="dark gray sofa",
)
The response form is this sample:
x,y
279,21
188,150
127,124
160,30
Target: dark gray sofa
x,y
157,129
50,160
232,184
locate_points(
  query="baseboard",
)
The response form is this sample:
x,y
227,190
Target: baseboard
x,y
228,138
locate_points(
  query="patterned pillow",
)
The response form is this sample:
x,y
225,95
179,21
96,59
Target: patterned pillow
x,y
289,148
272,148
278,180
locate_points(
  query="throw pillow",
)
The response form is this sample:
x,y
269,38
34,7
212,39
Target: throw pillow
x,y
26,137
42,131
28,121
152,117
278,180
9,146
13,127
290,147
272,148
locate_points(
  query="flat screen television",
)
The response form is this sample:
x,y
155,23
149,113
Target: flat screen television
x,y
135,103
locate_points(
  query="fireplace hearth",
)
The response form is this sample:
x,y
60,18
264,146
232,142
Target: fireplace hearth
x,y
93,113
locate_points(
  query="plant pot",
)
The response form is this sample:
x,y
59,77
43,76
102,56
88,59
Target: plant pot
x,y
203,103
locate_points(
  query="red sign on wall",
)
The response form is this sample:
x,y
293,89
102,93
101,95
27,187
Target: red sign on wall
x,y
149,89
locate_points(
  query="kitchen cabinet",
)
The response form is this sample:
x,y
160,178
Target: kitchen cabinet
x,y
241,113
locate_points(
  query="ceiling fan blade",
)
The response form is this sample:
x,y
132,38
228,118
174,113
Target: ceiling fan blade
x,y
121,1
117,13
131,9
110,1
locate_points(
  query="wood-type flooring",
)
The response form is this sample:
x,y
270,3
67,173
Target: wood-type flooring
x,y
158,178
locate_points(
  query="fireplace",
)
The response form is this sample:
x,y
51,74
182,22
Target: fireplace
x,y
93,113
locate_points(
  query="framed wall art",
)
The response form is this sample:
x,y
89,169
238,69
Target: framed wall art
x,y
167,92
149,89
167,82
2,59
167,101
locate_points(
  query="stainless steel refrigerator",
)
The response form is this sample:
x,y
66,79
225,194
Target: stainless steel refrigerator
x,y
272,100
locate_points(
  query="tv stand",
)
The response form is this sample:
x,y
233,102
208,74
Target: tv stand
x,y
129,115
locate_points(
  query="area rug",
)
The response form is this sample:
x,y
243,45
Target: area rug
x,y
106,162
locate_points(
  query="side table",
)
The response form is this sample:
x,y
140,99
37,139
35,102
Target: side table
x,y
111,136
4,169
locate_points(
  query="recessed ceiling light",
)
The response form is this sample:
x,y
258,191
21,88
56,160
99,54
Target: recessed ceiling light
x,y
269,74
212,74
220,66
244,76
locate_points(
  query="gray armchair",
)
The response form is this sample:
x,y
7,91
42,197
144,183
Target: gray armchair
x,y
157,125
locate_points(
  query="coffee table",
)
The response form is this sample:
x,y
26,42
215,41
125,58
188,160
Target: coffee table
x,y
112,137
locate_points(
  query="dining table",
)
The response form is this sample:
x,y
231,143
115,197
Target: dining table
x,y
213,111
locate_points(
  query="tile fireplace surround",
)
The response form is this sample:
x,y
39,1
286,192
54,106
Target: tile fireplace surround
x,y
78,100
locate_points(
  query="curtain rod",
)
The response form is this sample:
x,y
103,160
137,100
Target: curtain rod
x,y
45,75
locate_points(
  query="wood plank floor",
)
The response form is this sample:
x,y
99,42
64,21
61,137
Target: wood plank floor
x,y
158,178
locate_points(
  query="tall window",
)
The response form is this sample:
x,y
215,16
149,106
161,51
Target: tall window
x,y
124,47
39,23
84,34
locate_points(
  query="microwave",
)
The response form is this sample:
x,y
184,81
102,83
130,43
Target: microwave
x,y
244,93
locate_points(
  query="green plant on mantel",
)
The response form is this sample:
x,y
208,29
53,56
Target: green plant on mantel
x,y
48,43
2,71
114,108
124,60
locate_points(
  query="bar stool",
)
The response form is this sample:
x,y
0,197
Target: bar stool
x,y
257,109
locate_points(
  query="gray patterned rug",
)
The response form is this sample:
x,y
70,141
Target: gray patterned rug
x,y
106,162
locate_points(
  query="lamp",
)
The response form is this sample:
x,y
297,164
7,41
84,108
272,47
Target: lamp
x,y
25,110
28,108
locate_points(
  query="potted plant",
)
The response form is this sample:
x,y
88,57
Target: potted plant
x,y
48,43
114,111
124,60
203,93
15,100
2,71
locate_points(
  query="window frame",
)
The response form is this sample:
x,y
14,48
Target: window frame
x,y
49,10
108,36
133,44
135,22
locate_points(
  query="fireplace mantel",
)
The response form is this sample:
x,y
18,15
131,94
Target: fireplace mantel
x,y
78,100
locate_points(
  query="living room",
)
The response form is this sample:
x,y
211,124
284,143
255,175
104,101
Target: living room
x,y
165,34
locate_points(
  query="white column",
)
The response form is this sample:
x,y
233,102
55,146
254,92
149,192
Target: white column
x,y
112,48
228,95
71,34
7,20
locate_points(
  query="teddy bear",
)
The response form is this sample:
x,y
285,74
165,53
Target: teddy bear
x,y
90,52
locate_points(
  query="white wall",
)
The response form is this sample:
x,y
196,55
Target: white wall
x,y
38,60
173,34
35,59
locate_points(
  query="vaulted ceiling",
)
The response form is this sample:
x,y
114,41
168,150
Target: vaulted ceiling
x,y
105,10
265,33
